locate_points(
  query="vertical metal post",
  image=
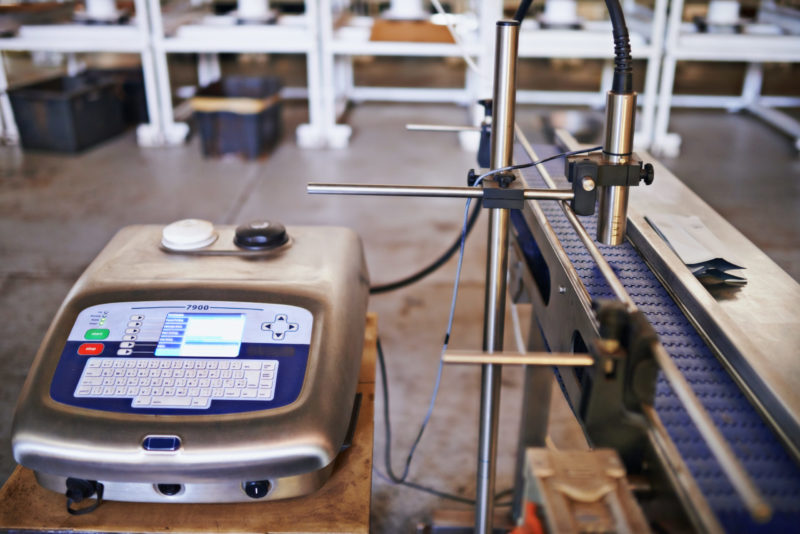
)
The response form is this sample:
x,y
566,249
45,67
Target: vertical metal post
x,y
505,82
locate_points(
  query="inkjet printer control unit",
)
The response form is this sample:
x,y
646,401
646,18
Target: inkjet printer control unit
x,y
200,364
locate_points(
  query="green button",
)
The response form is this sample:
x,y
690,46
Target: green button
x,y
96,333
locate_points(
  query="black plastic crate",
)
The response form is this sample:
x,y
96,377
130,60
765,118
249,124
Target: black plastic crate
x,y
67,114
239,115
134,100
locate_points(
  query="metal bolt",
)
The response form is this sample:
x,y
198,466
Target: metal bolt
x,y
609,345
587,183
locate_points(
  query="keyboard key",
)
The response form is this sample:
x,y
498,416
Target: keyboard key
x,y
171,402
200,402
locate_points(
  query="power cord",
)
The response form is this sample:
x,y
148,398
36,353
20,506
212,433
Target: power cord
x,y
441,260
392,478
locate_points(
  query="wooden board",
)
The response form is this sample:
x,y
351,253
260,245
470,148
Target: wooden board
x,y
416,31
341,505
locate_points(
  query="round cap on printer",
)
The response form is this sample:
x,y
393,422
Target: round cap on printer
x,y
261,235
188,234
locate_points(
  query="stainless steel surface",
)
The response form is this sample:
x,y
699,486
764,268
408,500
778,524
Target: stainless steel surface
x,y
323,271
612,214
613,200
700,514
224,491
441,128
619,127
586,239
428,191
504,94
504,98
530,358
582,491
740,479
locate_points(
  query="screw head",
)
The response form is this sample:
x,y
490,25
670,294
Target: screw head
x,y
587,183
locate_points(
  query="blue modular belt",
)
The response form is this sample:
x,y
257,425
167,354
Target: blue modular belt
x,y
756,446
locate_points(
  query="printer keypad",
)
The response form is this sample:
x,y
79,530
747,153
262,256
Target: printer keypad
x,y
163,383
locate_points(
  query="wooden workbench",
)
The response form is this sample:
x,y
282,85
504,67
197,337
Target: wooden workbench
x,y
341,505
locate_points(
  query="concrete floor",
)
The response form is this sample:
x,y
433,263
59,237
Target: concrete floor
x,y
57,212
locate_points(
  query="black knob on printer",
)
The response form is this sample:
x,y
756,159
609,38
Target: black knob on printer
x,y
261,235
257,489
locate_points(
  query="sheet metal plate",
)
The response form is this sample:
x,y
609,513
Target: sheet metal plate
x,y
771,467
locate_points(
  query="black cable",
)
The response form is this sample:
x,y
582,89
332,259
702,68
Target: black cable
x,y
534,163
441,260
391,477
522,10
623,63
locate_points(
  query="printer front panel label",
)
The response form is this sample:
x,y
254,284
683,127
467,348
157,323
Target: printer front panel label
x,y
184,357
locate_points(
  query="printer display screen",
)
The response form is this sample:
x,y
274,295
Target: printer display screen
x,y
216,335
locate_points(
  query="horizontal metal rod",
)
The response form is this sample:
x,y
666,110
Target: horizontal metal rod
x,y
441,128
428,191
736,473
516,358
594,251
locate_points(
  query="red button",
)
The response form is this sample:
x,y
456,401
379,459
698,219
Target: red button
x,y
90,349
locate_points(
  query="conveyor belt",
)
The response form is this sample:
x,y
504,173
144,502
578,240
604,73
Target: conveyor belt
x,y
770,466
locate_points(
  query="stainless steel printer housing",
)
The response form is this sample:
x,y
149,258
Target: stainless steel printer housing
x,y
323,271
